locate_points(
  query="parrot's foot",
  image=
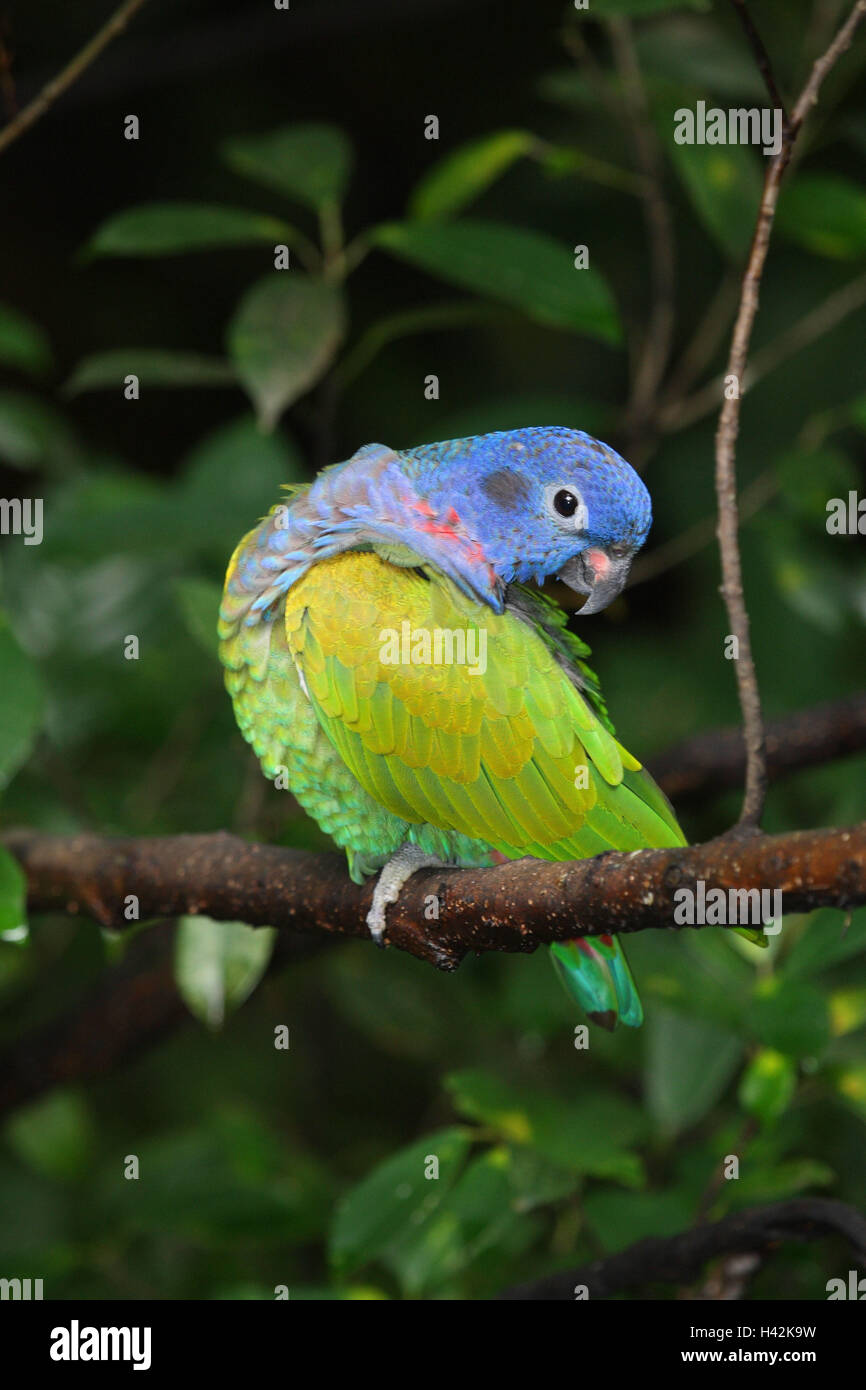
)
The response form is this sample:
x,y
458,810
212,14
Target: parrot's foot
x,y
398,870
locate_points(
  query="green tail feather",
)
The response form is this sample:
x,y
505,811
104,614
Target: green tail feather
x,y
596,974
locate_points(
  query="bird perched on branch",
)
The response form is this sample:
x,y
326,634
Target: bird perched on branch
x,y
386,658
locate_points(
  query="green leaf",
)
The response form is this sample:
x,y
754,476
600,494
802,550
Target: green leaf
x,y
33,434
621,1218
21,704
310,163
235,472
768,1085
397,1198
165,229
479,1095
153,366
22,343
808,477
13,898
588,1133
775,1183
462,176
826,940
199,601
701,55
527,270
219,964
826,214
54,1136
282,338
790,1016
689,1064
724,185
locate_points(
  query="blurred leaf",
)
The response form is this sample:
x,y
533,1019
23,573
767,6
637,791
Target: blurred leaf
x,y
477,1214
824,213
13,897
53,1135
199,601
790,1016
21,704
526,269
699,54
775,1182
480,1095
827,939
804,571
396,1198
724,185
34,434
847,1010
463,175
153,367
231,478
308,162
588,1133
219,964
768,1085
807,478
689,1064
165,229
282,338
22,342
620,1218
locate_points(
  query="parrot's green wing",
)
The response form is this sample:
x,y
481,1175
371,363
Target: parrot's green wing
x,y
276,717
501,746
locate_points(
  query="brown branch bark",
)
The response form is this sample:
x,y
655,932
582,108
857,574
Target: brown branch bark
x,y
679,1259
729,424
510,907
714,761
31,113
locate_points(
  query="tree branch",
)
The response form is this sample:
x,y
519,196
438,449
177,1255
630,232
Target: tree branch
x,y
679,1259
729,421
510,907
714,761
35,109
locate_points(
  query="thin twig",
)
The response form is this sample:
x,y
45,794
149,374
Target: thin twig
x,y
761,56
35,109
729,423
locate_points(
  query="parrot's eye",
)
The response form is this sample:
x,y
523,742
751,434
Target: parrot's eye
x,y
618,551
565,502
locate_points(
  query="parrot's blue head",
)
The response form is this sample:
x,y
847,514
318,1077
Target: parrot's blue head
x,y
540,502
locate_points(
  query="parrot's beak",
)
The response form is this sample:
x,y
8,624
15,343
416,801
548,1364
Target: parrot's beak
x,y
598,574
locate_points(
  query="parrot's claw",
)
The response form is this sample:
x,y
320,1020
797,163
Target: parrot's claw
x,y
398,870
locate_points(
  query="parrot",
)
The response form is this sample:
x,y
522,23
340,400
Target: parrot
x,y
390,653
